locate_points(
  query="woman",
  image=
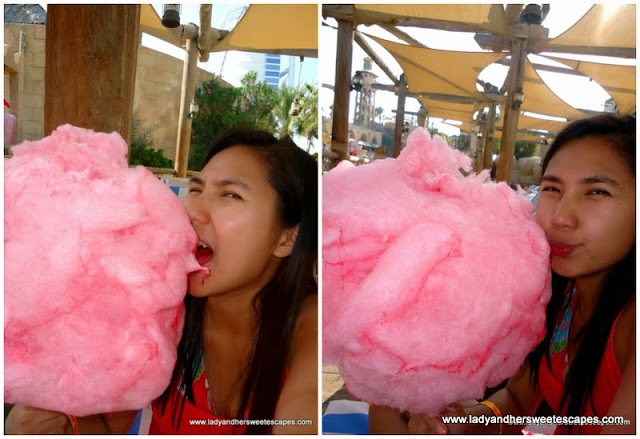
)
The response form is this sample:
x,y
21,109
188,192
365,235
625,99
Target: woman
x,y
585,366
252,322
249,345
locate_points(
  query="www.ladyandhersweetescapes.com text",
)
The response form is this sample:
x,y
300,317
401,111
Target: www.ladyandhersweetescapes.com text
x,y
536,420
236,422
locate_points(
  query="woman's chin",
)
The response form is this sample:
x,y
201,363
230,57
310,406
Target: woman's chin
x,y
196,284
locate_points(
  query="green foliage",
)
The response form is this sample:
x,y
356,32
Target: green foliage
x,y
258,100
523,148
495,145
141,151
285,120
224,107
306,122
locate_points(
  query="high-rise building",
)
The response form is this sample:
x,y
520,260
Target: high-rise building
x,y
272,70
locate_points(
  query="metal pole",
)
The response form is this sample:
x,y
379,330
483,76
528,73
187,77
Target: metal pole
x,y
184,121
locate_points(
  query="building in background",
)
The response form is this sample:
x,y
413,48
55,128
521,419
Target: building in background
x,y
274,69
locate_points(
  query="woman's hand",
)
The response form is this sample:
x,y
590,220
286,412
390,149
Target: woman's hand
x,y
425,424
31,420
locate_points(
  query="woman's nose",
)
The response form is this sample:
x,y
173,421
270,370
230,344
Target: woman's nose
x,y
564,214
197,211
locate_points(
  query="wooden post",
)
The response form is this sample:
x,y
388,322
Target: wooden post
x,y
90,66
397,135
511,115
342,88
479,162
487,138
184,120
473,146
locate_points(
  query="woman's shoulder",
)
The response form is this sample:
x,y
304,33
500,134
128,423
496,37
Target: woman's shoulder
x,y
305,334
307,321
627,320
624,335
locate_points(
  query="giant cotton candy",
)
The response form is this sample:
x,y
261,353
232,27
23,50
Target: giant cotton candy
x,y
96,263
434,284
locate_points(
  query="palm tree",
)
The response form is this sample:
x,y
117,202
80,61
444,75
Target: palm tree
x,y
379,112
282,110
307,120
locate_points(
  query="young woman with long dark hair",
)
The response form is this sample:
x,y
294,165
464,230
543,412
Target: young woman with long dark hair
x,y
249,347
585,365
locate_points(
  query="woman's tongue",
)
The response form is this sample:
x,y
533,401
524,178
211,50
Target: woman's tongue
x,y
204,255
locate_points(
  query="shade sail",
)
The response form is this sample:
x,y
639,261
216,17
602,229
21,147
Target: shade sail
x,y
497,134
538,97
461,17
287,29
439,71
151,24
533,123
448,110
619,81
604,25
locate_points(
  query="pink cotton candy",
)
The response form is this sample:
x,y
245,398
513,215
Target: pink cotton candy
x,y
434,284
96,264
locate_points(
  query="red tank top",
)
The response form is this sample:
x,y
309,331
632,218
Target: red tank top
x,y
552,381
198,418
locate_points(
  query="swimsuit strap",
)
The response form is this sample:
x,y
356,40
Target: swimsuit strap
x,y
560,339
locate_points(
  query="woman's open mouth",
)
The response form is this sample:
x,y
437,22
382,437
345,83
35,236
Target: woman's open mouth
x,y
204,255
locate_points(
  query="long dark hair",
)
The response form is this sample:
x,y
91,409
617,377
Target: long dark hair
x,y
617,288
294,176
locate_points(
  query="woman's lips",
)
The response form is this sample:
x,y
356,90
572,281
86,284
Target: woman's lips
x,y
559,249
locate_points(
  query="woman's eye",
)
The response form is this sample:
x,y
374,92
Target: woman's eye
x,y
598,192
231,195
195,190
549,189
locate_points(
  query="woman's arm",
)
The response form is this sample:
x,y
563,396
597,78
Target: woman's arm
x,y
386,420
624,401
31,420
299,397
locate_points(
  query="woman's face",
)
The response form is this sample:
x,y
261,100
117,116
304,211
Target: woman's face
x,y
587,208
233,209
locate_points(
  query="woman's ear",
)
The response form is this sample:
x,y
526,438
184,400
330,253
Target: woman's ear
x,y
286,242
